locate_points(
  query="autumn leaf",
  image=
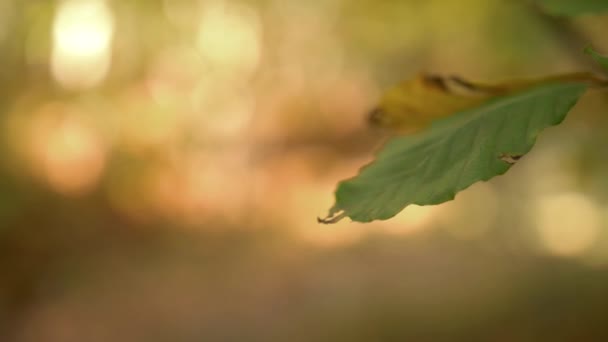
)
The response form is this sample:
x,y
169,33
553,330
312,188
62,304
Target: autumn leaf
x,y
414,104
430,167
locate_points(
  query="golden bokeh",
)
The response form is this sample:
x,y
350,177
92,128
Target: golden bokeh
x,y
568,223
82,43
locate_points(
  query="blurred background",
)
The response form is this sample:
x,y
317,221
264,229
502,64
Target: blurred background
x,y
164,162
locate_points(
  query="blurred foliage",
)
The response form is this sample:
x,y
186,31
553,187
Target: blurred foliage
x,y
578,7
603,61
163,162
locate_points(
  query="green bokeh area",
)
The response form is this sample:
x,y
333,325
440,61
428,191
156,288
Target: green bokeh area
x,y
600,59
572,8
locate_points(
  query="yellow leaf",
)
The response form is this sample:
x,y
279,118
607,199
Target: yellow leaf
x,y
412,105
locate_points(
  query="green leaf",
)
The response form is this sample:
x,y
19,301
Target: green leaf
x,y
432,166
573,7
603,61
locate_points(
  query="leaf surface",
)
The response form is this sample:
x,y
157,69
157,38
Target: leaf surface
x,y
455,152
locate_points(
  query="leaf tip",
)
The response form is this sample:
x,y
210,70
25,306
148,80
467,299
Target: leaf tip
x,y
332,217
